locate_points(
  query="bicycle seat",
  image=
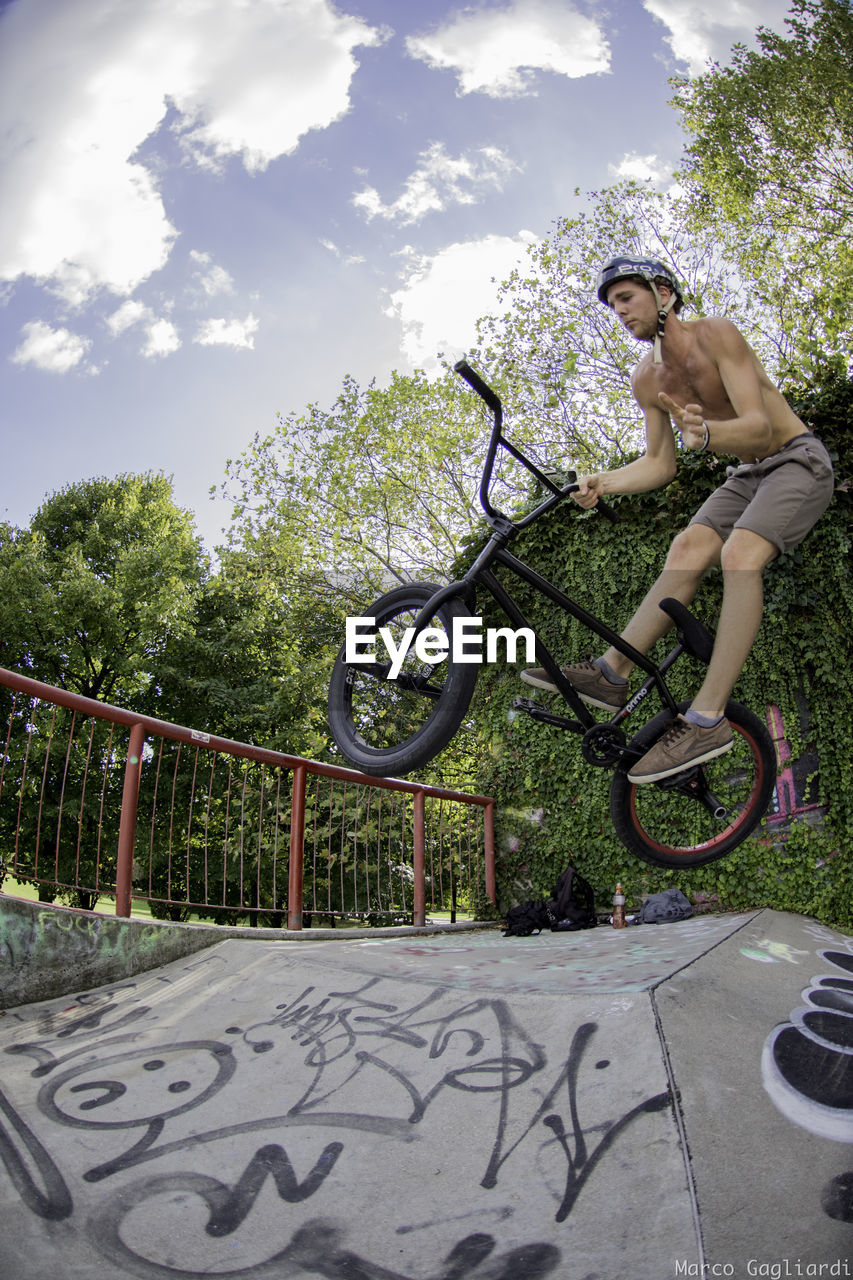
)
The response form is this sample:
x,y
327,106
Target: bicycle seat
x,y
692,636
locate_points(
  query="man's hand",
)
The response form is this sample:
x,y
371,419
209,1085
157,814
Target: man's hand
x,y
689,419
589,490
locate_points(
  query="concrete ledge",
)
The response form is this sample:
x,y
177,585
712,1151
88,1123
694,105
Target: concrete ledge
x,y
48,951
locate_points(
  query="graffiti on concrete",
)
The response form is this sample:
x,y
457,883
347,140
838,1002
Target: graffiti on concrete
x,y
772,951
44,952
328,1076
807,1067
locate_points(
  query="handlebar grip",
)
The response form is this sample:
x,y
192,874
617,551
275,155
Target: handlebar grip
x,y
600,506
476,383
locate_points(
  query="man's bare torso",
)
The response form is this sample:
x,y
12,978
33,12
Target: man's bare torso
x,y
690,374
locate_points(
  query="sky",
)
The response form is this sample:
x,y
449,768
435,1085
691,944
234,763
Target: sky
x,y
214,210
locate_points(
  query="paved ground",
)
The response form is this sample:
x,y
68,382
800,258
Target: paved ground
x,y
647,1104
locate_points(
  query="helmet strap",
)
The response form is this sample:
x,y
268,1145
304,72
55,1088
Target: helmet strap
x,y
664,309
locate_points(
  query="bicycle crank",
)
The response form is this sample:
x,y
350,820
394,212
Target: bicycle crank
x,y
603,745
692,783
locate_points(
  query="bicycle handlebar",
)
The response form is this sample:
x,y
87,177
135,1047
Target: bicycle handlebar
x,y
491,398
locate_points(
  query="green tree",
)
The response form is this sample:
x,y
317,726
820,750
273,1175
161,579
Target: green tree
x,y
375,491
254,666
770,162
254,663
107,571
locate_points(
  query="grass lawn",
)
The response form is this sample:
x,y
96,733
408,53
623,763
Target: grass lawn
x,y
106,906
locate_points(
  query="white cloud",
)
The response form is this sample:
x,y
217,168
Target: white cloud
x,y
701,32
53,350
84,83
349,260
228,333
498,51
438,181
212,278
127,315
162,339
642,168
268,82
161,335
444,296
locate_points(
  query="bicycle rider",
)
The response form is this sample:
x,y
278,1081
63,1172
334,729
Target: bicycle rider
x,y
702,375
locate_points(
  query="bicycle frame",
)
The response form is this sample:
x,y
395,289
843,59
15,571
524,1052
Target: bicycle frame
x,y
495,553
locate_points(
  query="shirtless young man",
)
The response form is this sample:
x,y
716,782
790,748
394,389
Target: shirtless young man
x,y
702,376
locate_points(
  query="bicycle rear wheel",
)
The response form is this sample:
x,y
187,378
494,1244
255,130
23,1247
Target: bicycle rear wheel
x,y
672,823
390,727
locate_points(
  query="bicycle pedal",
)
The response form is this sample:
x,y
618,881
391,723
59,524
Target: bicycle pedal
x,y
536,712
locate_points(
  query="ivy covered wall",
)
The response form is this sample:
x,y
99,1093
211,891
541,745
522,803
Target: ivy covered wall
x,y
553,807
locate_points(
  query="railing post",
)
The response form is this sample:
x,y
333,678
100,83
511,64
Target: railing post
x,y
489,850
419,859
127,822
297,847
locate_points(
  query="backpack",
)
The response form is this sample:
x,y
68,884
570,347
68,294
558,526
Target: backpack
x,y
571,906
661,908
573,903
525,919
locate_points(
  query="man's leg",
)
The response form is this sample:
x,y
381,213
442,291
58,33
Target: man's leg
x,y
703,733
744,558
603,683
695,550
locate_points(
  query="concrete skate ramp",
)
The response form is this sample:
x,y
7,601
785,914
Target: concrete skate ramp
x,y
646,1104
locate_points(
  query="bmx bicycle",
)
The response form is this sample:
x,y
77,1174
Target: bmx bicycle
x,y
390,718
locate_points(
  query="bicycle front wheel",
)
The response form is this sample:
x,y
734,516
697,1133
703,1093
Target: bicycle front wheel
x,y
390,724
704,813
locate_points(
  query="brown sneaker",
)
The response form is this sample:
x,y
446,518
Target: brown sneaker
x,y
682,746
589,680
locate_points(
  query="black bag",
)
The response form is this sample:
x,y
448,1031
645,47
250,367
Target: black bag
x,y
572,906
525,919
661,908
573,903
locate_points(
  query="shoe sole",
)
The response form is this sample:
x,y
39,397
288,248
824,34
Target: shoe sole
x,y
682,768
584,697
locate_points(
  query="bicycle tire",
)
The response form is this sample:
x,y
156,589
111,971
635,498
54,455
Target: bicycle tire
x,y
669,828
390,727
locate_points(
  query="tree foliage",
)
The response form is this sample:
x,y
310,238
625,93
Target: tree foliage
x,y
770,164
109,595
254,663
107,571
378,489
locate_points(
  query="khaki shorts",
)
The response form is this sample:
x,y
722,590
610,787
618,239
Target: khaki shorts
x,y
780,498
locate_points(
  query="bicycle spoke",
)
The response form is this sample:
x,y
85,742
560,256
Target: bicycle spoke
x,y
678,817
387,711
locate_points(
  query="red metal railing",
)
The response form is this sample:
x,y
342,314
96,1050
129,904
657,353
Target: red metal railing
x,y
207,826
